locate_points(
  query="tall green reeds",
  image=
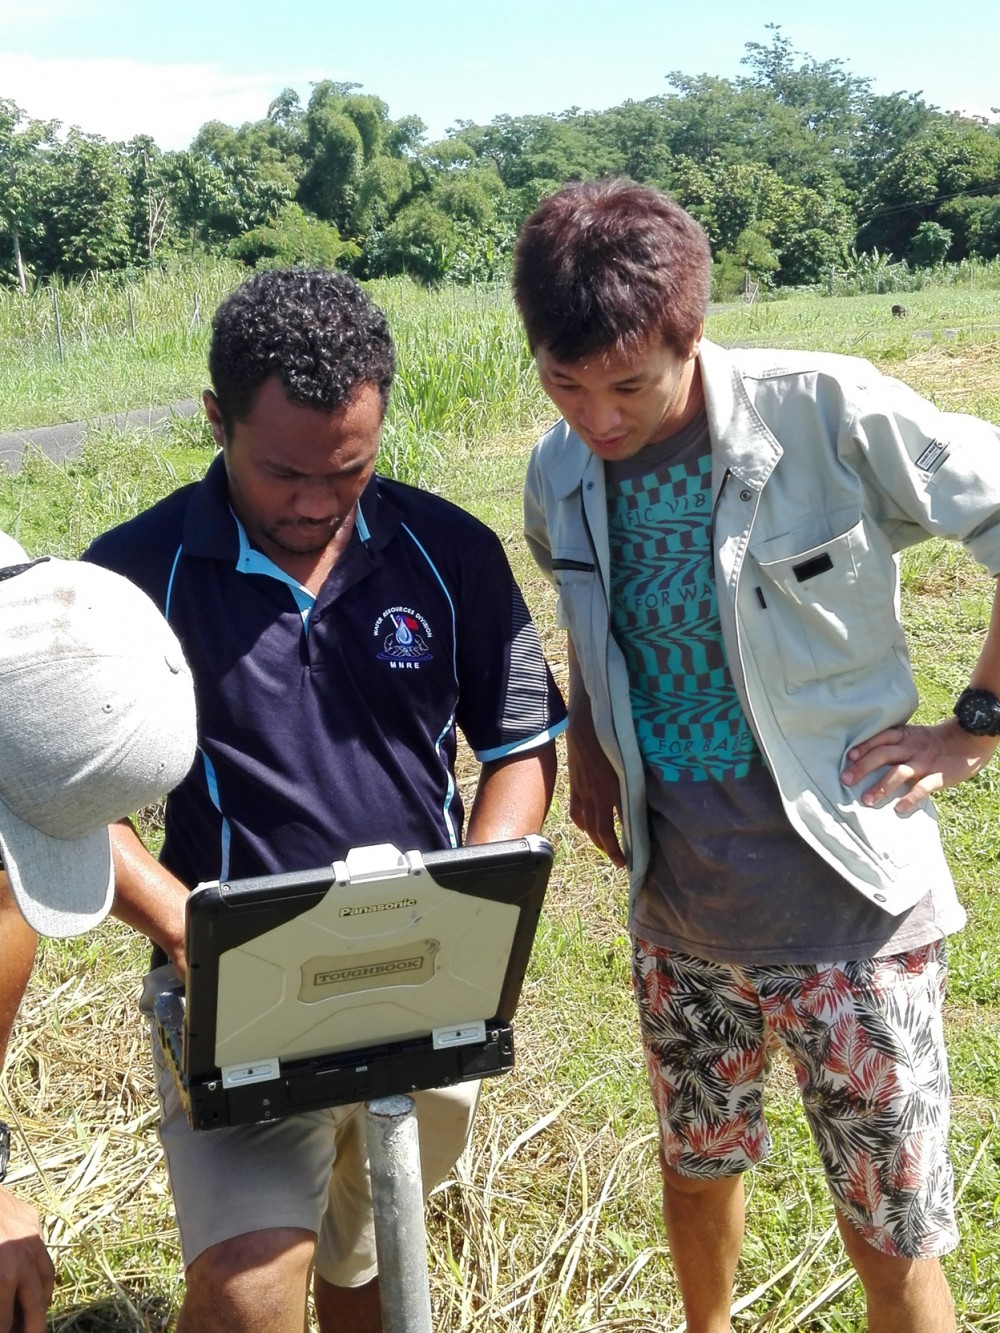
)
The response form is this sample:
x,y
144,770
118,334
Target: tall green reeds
x,y
464,369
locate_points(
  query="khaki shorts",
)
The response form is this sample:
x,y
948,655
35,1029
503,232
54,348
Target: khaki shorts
x,y
307,1171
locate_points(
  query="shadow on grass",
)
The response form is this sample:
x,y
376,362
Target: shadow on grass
x,y
142,1311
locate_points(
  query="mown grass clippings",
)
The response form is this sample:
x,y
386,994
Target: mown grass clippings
x,y
945,318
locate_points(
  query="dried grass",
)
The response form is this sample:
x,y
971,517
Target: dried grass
x,y
528,1236
549,1224
960,377
78,1088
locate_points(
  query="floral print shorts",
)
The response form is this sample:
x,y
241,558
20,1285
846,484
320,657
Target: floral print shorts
x,y
865,1039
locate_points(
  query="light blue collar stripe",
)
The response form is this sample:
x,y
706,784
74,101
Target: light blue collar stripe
x,y
520,747
251,561
444,589
450,790
450,793
361,527
212,782
170,582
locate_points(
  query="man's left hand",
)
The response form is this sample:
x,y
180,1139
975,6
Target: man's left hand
x,y
26,1272
918,761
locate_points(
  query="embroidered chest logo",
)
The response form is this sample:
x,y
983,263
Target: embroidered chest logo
x,y
404,637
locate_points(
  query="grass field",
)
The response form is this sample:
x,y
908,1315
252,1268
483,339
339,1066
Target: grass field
x,y
551,1225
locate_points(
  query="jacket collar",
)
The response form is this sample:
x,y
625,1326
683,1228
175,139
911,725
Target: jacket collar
x,y
568,461
741,442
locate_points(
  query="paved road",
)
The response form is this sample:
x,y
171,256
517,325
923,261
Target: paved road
x,y
61,442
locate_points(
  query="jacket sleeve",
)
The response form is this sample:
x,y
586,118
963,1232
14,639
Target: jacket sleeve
x,y
930,472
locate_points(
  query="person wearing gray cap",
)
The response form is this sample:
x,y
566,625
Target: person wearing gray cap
x,y
97,718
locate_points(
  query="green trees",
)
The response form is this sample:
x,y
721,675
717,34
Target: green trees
x,y
792,166
88,206
931,243
948,160
760,225
293,237
23,180
456,226
213,203
355,159
974,223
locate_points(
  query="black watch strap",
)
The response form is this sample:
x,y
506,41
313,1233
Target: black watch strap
x,y
4,1149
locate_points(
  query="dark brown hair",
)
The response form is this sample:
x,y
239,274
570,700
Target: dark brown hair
x,y
608,265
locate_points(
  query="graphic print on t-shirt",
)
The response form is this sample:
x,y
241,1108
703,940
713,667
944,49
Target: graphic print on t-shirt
x,y
665,618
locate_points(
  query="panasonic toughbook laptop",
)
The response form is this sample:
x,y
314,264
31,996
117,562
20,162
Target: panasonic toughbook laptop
x,y
385,973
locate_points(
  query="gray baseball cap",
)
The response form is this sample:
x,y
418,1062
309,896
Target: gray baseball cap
x,y
97,718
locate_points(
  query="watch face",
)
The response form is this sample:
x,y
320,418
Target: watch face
x,y
978,712
979,715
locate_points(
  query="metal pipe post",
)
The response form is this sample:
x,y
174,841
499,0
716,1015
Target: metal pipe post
x,y
398,1201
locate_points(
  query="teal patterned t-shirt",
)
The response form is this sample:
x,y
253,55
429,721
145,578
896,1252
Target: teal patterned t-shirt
x,y
665,614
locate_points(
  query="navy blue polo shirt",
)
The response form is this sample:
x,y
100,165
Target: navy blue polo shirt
x,y
330,722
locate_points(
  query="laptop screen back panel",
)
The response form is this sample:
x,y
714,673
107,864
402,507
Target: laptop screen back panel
x,y
321,969
367,965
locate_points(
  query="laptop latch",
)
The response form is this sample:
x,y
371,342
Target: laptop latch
x,y
257,1071
460,1034
380,861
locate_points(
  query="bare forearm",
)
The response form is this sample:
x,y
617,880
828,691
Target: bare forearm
x,y
986,673
581,717
17,954
917,761
147,896
578,699
513,796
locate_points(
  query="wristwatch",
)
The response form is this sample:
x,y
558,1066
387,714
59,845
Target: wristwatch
x,y
4,1149
978,712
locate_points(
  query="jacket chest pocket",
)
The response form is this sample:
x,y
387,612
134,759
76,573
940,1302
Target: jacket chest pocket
x,y
829,604
578,588
575,578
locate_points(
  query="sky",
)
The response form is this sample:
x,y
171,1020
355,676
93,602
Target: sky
x,y
126,67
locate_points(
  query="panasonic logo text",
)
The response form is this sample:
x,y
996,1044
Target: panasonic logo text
x,y
378,907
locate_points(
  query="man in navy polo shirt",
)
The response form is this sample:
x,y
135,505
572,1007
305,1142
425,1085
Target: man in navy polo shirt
x,y
339,626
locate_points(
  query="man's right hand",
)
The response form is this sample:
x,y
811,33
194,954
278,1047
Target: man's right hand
x,y
26,1272
594,793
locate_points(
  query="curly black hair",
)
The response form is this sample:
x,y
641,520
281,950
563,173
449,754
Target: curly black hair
x,y
315,329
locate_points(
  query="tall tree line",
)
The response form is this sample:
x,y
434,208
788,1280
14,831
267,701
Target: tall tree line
x,y
792,167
